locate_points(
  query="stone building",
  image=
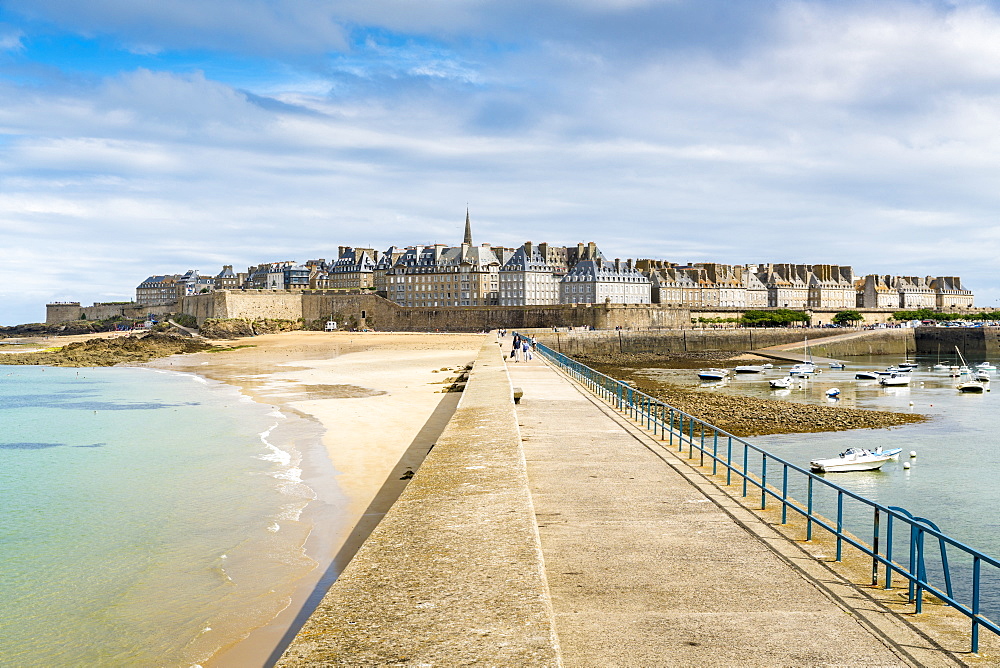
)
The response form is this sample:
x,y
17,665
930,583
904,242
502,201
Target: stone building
x,y
526,279
157,289
354,268
914,292
831,286
227,279
786,284
387,259
949,293
596,281
437,275
287,275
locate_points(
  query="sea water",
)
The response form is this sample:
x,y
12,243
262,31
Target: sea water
x,y
147,518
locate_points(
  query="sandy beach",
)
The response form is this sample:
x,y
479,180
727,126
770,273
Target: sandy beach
x,y
380,401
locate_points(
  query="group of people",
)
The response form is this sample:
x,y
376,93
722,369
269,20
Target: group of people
x,y
522,347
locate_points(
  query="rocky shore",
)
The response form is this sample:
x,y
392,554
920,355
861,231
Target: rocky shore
x,y
110,351
738,414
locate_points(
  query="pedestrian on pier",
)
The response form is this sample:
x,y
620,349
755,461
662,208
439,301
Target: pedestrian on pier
x,y
526,347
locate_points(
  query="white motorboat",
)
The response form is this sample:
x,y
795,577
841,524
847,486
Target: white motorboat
x,y
855,459
894,380
749,368
983,376
803,368
713,374
782,383
768,365
908,364
941,366
833,393
866,375
986,366
836,365
972,386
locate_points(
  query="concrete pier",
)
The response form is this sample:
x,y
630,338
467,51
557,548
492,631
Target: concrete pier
x,y
556,533
648,566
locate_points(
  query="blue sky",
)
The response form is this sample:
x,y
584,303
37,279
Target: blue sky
x,y
140,138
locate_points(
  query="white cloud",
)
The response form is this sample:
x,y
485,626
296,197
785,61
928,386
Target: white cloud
x,y
843,133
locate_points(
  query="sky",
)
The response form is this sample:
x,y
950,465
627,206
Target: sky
x,y
141,138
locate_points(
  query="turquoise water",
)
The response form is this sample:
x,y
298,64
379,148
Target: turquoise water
x,y
148,518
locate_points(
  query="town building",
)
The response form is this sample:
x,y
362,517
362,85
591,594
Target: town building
x,y
354,269
227,279
597,281
439,275
949,293
157,290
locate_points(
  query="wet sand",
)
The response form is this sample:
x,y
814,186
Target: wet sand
x,y
380,401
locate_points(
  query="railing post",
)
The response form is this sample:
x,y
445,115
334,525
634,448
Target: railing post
x,y
763,481
888,551
809,510
875,547
976,567
746,474
729,461
784,494
840,524
715,451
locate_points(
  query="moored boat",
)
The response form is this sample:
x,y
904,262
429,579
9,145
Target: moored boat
x,y
713,374
833,393
894,380
866,375
837,365
749,368
782,383
855,459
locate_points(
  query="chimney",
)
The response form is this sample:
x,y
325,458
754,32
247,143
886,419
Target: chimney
x,y
342,250
527,249
543,249
618,266
591,250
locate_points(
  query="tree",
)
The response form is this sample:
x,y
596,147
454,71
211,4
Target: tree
x,y
847,317
776,318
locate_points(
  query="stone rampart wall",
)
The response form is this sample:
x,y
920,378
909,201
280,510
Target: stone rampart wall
x,y
59,313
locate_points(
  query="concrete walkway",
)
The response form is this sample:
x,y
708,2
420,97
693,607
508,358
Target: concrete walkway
x,y
647,569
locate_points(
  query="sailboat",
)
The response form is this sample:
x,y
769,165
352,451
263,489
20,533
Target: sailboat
x,y
940,366
973,385
806,366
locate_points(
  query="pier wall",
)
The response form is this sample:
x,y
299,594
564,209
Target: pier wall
x,y
453,574
675,341
972,341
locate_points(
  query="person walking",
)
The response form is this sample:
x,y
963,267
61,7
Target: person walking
x,y
526,347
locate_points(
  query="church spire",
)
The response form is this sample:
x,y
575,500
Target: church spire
x,y
468,228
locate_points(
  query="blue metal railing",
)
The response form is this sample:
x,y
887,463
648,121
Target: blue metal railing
x,y
776,480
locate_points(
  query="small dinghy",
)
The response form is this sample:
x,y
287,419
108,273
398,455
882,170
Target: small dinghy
x,y
782,383
713,374
836,365
855,459
833,393
866,375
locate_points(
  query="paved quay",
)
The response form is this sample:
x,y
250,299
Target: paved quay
x,y
646,567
